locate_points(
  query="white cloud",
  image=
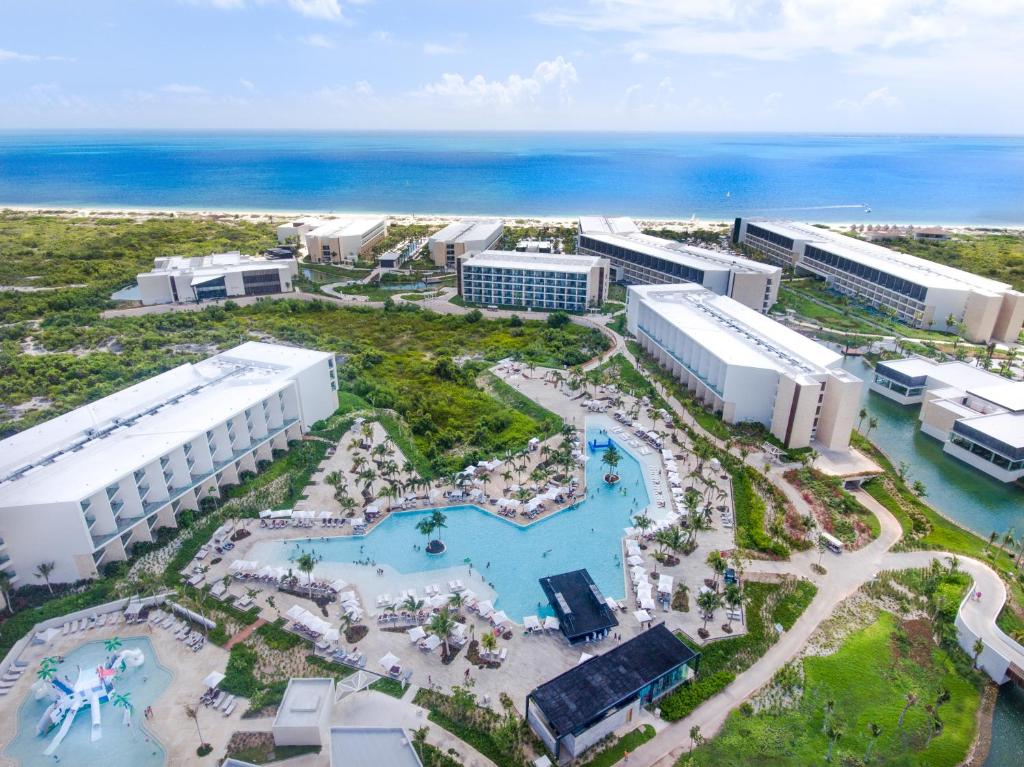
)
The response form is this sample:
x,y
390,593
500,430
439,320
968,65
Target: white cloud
x,y
184,90
316,40
437,49
6,55
880,98
317,9
346,95
640,57
248,85
548,77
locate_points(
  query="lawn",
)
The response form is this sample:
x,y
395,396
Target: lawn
x,y
613,754
867,679
999,256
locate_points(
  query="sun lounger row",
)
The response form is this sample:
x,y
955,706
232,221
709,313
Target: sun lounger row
x,y
219,700
93,621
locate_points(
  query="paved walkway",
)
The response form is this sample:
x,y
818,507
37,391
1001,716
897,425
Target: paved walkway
x,y
244,634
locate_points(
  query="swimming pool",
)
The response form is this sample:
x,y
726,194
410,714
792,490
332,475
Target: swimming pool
x,y
121,745
511,557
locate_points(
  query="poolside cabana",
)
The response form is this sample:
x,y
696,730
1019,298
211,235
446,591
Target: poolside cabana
x,y
500,618
665,584
416,633
531,623
213,679
551,623
642,617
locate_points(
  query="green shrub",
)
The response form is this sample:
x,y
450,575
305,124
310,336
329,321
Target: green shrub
x,y
277,638
682,701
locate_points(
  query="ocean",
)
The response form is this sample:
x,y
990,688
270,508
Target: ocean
x,y
899,179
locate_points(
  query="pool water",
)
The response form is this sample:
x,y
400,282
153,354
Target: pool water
x,y
511,557
121,745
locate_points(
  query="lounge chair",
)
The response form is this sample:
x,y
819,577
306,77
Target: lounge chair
x,y
229,709
227,702
503,654
67,628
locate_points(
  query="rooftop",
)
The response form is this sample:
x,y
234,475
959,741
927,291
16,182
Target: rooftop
x,y
1007,428
304,702
510,259
216,263
372,747
914,367
737,335
575,698
80,452
1008,394
625,233
917,270
347,227
579,604
468,229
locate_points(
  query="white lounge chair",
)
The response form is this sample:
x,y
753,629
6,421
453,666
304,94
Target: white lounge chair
x,y
229,709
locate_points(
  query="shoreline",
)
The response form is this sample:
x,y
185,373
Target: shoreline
x,y
85,211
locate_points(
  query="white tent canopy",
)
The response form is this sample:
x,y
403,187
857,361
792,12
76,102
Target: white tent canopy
x,y
389,661
530,623
416,633
551,622
642,616
584,657
665,584
213,679
499,618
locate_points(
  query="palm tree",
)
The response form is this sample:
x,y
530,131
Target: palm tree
x,y
991,539
696,739
834,734
1008,540
874,730
977,649
611,458
112,645
489,642
507,476
438,520
911,700
44,570
5,588
192,712
425,527
708,602
307,562
862,415
412,604
442,624
717,564
733,598
830,707
456,601
643,522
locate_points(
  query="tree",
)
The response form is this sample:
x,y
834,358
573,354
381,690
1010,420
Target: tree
x,y
696,739
830,707
192,712
874,731
425,527
442,624
489,642
911,700
872,424
708,602
43,571
902,470
977,649
307,562
834,734
5,589
558,320
456,601
861,415
991,539
412,604
611,458
919,489
734,597
643,522
438,520
717,564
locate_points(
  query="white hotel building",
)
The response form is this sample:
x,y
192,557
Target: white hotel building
x,y
922,293
745,365
461,238
977,415
80,489
642,259
180,279
533,280
344,241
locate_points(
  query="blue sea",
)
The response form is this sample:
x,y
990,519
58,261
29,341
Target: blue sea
x,y
922,179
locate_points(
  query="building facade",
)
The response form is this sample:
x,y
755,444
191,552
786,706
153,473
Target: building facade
x,y
641,259
533,280
81,489
462,238
344,241
745,365
918,292
977,415
178,280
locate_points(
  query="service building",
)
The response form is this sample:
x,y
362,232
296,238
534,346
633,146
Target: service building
x,y
181,280
345,241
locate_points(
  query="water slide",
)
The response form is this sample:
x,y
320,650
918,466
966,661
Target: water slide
x,y
97,725
69,718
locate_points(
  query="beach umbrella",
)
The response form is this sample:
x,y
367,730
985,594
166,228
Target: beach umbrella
x,y
295,612
642,617
213,679
416,633
584,657
647,604
551,622
530,623
389,661
486,607
499,618
635,560
332,635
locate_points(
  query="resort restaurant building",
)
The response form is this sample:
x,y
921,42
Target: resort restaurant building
x,y
575,710
464,237
222,275
533,280
582,611
344,241
919,292
81,489
642,259
745,365
977,415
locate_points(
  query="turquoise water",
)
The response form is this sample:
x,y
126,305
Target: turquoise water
x,y
928,179
588,535
1007,728
961,492
120,746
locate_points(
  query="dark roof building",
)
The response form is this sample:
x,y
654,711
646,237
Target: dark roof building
x,y
581,608
575,710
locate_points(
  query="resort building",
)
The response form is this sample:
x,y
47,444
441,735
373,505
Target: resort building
x,y
294,231
919,292
372,747
344,241
642,259
582,610
462,238
303,712
745,365
977,415
536,246
81,489
533,280
575,710
178,280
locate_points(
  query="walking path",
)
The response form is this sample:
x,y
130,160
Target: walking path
x,y
244,634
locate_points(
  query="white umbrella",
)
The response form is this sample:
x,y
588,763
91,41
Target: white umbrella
x,y
347,596
372,509
642,617
332,635
530,623
647,604
635,560
416,633
213,679
485,608
295,612
584,657
665,584
358,521
431,643
338,585
499,618
438,600
551,622
389,661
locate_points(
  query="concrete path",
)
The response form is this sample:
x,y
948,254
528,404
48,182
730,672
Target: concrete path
x,y
244,634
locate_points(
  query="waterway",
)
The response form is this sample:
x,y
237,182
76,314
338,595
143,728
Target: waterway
x,y
961,492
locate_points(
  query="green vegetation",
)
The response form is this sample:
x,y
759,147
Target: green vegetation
x,y
629,742
391,687
549,423
513,233
698,237
721,661
999,256
840,513
499,737
269,753
751,512
276,638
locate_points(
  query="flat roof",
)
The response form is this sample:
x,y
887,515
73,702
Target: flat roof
x,y
914,367
918,270
305,701
964,376
138,424
468,229
512,259
1007,428
1009,395
624,233
372,747
735,333
579,604
347,227
584,692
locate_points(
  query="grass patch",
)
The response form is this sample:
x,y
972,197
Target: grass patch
x,y
269,753
276,638
478,739
628,742
867,678
391,687
751,513
549,422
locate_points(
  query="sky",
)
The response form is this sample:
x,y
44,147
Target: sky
x,y
890,66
